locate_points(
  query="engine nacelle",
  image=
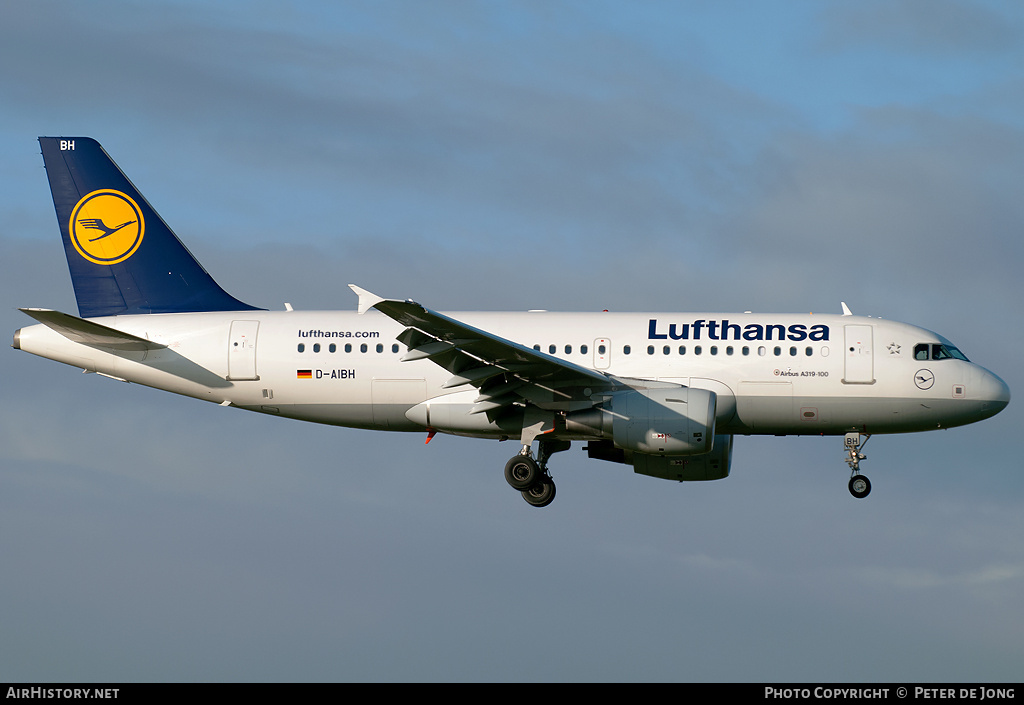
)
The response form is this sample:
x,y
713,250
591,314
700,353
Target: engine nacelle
x,y
710,466
665,422
690,468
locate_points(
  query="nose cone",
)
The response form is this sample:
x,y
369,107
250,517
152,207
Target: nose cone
x,y
992,392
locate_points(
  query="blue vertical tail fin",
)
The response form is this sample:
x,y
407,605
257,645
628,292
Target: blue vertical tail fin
x,y
122,255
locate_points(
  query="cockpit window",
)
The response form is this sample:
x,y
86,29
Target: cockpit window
x,y
943,352
937,351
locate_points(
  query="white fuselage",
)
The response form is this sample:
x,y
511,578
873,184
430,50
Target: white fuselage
x,y
772,373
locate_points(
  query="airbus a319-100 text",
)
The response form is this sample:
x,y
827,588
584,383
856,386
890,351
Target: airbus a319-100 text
x,y
664,393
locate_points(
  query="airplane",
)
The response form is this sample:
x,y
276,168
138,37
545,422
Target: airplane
x,y
664,393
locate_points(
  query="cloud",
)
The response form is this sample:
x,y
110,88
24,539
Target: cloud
x,y
541,155
922,27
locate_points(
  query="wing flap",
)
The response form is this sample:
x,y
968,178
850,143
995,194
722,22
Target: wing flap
x,y
475,374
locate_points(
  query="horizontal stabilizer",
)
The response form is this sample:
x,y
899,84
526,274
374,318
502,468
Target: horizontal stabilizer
x,y
88,333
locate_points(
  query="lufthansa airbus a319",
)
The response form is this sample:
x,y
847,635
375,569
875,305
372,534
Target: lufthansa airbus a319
x,y
664,393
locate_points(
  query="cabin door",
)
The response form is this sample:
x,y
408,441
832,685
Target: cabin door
x,y
859,356
242,350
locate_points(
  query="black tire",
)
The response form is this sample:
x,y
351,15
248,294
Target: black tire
x,y
541,494
860,486
522,473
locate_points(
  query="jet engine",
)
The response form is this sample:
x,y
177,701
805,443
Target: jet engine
x,y
690,468
666,433
661,421
710,466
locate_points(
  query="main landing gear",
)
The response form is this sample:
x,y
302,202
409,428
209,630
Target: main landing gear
x,y
530,477
860,485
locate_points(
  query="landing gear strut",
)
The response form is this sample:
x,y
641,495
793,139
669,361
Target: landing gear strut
x,y
860,485
530,477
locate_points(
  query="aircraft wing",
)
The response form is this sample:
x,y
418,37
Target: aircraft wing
x,y
504,371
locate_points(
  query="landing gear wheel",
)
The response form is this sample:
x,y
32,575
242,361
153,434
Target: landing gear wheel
x,y
860,486
522,472
541,493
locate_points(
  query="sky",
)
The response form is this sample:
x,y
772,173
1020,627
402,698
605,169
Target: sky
x,y
580,156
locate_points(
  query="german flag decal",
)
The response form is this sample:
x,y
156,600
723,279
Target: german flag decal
x,y
304,374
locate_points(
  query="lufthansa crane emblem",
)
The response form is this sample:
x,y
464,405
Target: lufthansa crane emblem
x,y
924,379
106,227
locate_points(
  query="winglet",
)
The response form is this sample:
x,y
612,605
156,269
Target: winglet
x,y
367,300
846,309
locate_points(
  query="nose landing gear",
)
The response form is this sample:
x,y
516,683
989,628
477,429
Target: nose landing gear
x,y
860,485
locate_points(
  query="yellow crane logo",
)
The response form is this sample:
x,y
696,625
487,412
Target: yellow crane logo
x,y
106,227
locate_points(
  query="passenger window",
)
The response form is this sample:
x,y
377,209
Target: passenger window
x,y
362,348
332,347
394,348
626,350
696,350
568,350
316,347
714,349
682,349
348,347
583,349
666,350
650,349
380,347
302,347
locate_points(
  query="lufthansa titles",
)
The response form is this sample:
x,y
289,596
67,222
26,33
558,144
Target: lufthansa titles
x,y
701,329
